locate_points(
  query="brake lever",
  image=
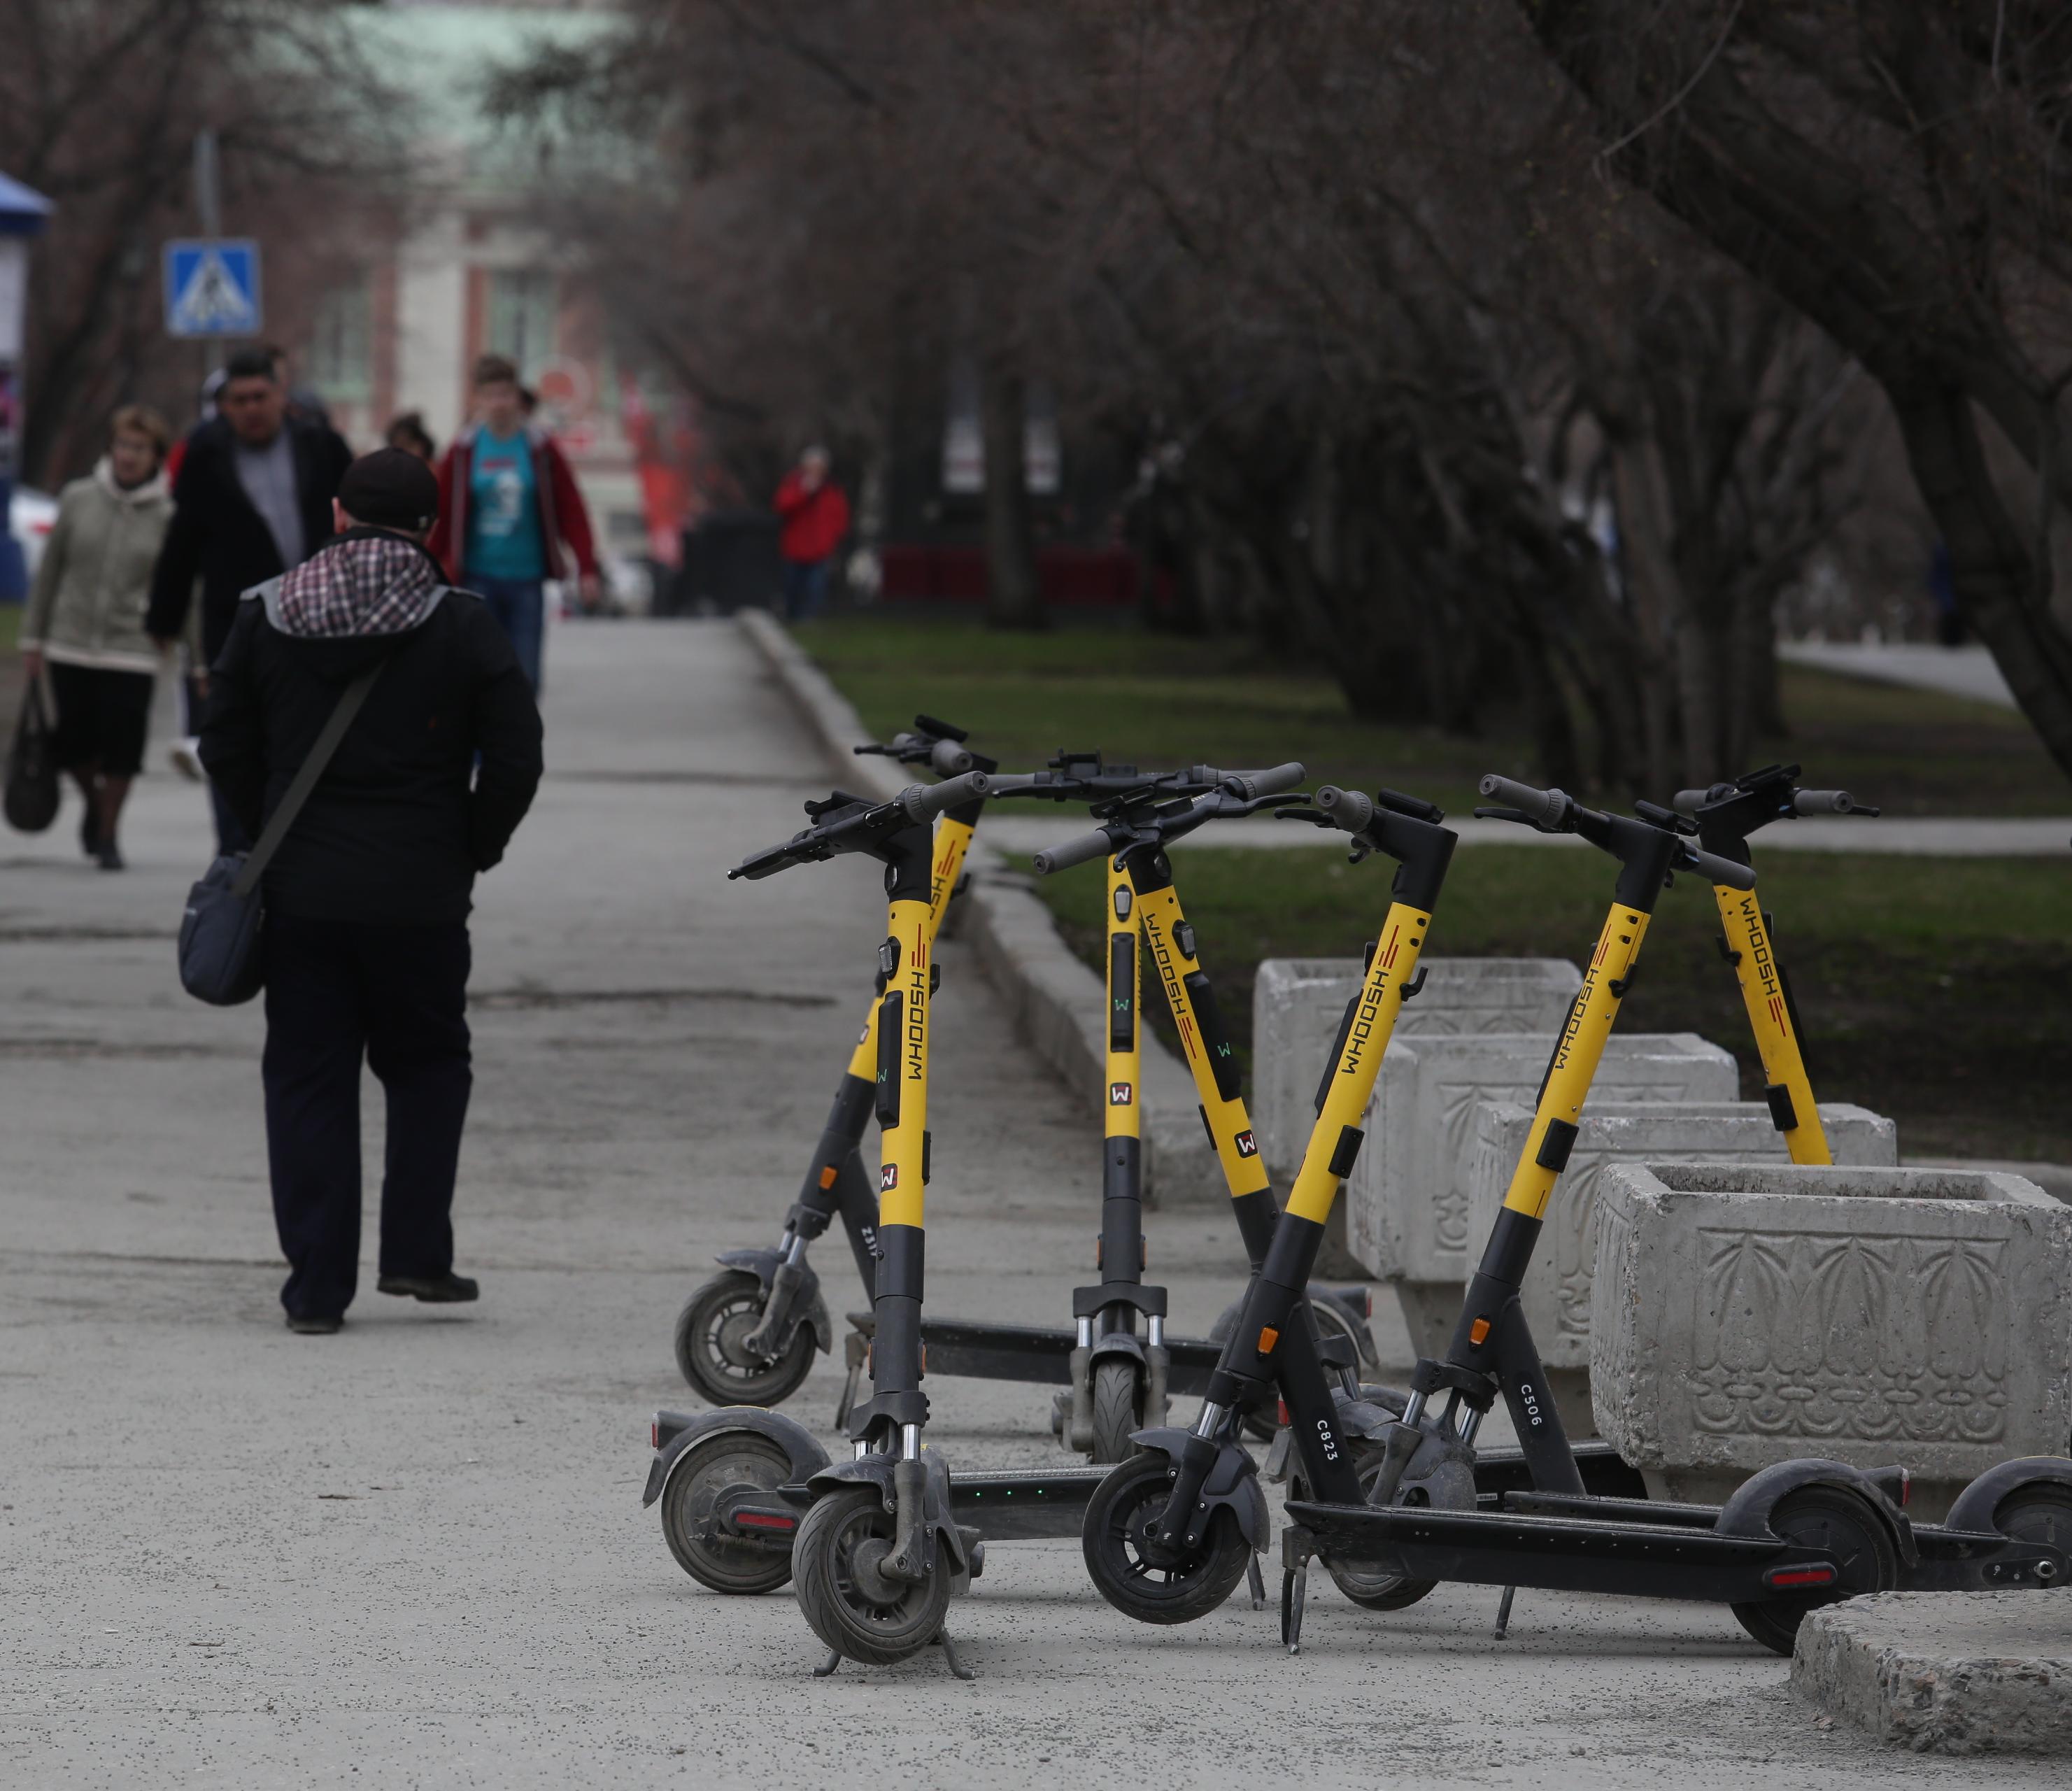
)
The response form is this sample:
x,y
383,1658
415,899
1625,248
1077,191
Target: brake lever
x,y
1506,814
1315,817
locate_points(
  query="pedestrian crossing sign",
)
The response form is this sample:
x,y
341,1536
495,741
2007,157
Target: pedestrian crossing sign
x,y
212,287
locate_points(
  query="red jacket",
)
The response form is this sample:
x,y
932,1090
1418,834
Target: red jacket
x,y
563,519
814,521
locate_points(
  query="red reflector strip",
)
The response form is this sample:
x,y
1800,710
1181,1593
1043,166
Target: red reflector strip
x,y
1799,1576
1284,1412
654,1434
764,1519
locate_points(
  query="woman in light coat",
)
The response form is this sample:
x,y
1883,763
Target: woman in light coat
x,y
85,620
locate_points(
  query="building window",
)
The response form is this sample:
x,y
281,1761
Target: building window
x,y
522,311
340,362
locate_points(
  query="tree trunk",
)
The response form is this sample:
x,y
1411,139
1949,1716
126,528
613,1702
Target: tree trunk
x,y
1014,599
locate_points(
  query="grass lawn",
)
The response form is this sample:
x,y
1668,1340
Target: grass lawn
x,y
1156,701
1939,991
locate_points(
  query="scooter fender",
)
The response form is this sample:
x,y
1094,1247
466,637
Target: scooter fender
x,y
1747,1512
1976,1505
812,1309
1116,1343
875,1470
808,1458
1364,1417
1350,1303
1233,1482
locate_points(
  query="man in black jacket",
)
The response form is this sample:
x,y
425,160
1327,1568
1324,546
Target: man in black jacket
x,y
365,946
252,499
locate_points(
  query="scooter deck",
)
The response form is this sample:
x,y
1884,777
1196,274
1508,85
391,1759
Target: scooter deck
x,y
1043,1355
1562,1543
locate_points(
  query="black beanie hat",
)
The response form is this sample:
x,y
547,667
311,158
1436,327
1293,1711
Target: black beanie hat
x,y
390,488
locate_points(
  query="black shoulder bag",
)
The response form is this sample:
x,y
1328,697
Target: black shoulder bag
x,y
220,961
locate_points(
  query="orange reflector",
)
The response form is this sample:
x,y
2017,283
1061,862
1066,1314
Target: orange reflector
x,y
827,1176
1268,1338
1479,1332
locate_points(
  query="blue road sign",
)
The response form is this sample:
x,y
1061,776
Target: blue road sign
x,y
212,287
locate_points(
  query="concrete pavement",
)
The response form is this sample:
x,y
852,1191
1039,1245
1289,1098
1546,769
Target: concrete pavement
x,y
1967,671
414,1554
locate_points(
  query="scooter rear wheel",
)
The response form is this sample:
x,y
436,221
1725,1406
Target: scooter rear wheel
x,y
1116,1416
2041,1512
860,1613
711,1331
1828,1517
1176,1592
707,1469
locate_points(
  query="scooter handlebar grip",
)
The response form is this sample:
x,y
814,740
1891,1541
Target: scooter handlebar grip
x,y
1718,871
1074,851
925,801
1823,802
1545,807
1270,782
1350,809
950,758
1688,802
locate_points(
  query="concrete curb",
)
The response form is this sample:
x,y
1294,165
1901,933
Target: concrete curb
x,y
1963,1673
1055,1000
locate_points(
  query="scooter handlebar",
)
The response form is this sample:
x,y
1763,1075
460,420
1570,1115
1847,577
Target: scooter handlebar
x,y
1272,781
950,758
1720,872
1823,802
1687,802
1542,808
925,801
1074,851
1349,809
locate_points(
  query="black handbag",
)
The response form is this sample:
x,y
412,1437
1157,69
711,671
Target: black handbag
x,y
220,961
31,799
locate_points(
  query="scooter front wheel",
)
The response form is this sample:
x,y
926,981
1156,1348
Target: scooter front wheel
x,y
1372,1588
1116,1416
1175,1590
1842,1523
712,1352
717,1465
861,1612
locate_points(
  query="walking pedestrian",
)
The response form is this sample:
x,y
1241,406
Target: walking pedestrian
x,y
252,500
814,511
365,949
85,620
511,516
407,431
815,515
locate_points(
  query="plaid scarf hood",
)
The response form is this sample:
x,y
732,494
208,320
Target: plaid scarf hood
x,y
362,584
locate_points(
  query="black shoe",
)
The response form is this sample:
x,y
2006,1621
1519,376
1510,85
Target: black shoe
x,y
439,1290
110,855
313,1326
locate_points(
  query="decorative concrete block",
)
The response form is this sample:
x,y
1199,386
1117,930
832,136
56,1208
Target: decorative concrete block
x,y
1296,1004
1747,1314
1944,1673
1406,1215
1556,1294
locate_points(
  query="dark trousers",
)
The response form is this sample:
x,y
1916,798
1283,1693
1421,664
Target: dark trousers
x,y
338,992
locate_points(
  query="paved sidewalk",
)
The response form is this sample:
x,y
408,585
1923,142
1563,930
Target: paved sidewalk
x,y
1967,671
414,1554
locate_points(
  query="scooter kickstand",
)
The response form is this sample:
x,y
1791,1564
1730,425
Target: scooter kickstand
x,y
1503,1613
1257,1582
826,1668
950,1657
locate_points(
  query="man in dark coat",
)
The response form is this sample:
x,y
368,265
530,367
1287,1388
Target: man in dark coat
x,y
365,946
252,499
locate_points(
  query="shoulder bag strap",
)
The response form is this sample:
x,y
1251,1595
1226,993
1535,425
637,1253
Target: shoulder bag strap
x,y
349,701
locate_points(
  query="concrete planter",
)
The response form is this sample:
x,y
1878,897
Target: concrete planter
x,y
1745,1314
1557,1295
1296,1004
1407,1200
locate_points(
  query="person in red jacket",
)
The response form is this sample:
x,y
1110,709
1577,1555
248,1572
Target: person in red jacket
x,y
815,515
510,515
